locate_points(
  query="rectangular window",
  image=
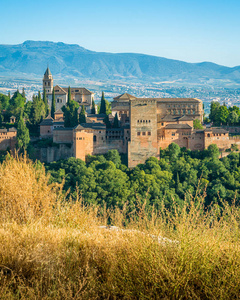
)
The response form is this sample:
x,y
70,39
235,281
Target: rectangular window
x,y
173,134
138,133
144,133
149,132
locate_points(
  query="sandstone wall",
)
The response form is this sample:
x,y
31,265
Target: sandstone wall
x,y
143,131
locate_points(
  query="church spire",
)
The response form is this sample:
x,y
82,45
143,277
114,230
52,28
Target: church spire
x,y
47,73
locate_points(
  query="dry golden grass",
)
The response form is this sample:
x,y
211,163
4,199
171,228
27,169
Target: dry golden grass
x,y
50,249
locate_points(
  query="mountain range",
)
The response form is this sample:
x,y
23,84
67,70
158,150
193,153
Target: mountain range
x,y
32,57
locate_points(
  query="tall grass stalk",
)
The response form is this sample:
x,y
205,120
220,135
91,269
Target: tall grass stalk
x,y
53,249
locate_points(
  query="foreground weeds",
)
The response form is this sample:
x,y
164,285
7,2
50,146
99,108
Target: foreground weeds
x,y
50,249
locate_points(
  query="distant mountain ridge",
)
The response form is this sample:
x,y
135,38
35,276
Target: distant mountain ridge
x,y
32,57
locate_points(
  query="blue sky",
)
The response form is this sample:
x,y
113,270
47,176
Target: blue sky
x,y
189,30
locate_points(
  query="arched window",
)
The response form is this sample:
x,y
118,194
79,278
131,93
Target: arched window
x,y
94,138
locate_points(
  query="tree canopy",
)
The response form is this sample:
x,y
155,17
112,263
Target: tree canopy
x,y
82,115
23,138
103,104
70,112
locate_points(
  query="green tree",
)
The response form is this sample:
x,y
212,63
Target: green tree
x,y
223,115
116,122
27,111
16,104
214,110
93,109
45,101
113,155
70,112
103,104
37,110
107,121
23,93
4,102
23,138
173,151
108,107
39,96
82,115
197,124
233,118
53,106
69,95
213,151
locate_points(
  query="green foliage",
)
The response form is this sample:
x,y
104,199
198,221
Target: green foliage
x,y
70,112
233,118
234,147
108,108
103,104
114,156
82,115
221,115
197,124
16,104
4,102
214,111
69,96
45,101
213,151
37,110
23,93
180,175
116,122
107,122
23,138
93,108
53,106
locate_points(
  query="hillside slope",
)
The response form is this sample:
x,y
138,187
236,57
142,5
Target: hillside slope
x,y
32,57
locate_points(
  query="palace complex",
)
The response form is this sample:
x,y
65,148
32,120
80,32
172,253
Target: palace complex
x,y
145,126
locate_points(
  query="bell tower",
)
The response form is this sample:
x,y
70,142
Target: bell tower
x,y
48,81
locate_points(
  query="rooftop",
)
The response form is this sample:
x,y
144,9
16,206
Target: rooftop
x,y
178,126
48,121
124,97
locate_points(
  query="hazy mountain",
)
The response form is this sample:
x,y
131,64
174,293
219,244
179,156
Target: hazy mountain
x,y
72,60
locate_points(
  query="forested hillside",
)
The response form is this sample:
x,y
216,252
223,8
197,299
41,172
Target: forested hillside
x,y
180,175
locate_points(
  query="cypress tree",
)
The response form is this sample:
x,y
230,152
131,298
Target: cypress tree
x,y
23,138
115,122
39,96
69,95
103,104
53,107
23,93
107,122
9,95
93,109
45,101
82,116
